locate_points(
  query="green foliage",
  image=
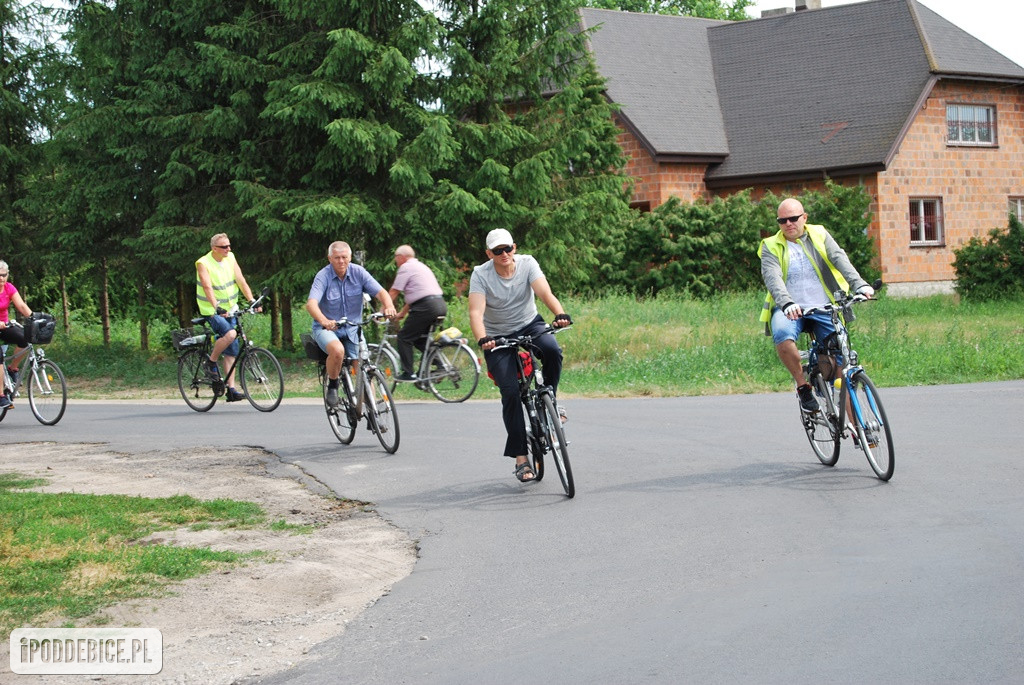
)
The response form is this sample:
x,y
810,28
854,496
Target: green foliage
x,y
992,268
706,248
708,9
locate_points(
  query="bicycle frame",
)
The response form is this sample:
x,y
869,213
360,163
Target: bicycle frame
x,y
244,343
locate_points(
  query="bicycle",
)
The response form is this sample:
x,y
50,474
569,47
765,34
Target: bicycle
x,y
261,377
827,427
363,393
46,387
448,367
545,432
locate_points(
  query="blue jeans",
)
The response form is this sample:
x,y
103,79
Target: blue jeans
x,y
349,337
222,325
785,329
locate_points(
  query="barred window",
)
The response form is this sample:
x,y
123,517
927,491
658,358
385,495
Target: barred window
x,y
970,125
926,221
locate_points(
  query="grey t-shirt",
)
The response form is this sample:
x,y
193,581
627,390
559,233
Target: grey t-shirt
x,y
510,301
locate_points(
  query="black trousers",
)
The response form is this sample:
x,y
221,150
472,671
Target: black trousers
x,y
502,365
422,314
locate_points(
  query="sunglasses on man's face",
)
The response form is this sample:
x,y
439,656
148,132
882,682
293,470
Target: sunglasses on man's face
x,y
503,250
783,220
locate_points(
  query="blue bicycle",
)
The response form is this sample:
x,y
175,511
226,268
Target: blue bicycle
x,y
848,402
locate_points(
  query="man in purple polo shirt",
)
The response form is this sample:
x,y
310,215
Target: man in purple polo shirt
x,y
424,303
337,293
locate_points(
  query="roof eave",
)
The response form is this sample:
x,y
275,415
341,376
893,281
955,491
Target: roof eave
x,y
791,176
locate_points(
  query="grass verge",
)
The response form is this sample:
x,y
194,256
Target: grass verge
x,y
65,555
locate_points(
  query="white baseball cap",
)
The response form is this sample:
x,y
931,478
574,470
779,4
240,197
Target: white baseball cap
x,y
499,236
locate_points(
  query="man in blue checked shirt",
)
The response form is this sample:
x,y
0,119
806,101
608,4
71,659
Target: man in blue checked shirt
x,y
337,293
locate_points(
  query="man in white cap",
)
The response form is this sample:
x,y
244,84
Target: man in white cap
x,y
502,305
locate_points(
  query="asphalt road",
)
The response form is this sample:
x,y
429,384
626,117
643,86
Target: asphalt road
x,y
705,542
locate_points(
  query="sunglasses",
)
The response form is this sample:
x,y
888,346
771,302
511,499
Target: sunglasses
x,y
503,250
223,247
783,220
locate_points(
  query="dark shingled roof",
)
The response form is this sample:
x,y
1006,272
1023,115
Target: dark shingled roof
x,y
659,68
803,93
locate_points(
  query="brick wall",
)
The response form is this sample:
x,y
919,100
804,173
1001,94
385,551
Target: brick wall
x,y
974,183
655,182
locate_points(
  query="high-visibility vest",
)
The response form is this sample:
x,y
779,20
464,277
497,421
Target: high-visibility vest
x,y
222,278
828,274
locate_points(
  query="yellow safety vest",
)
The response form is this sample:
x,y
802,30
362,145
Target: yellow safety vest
x,y
222,278
828,274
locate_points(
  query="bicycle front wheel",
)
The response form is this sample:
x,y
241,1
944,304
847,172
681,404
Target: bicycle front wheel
x,y
381,411
822,427
342,417
47,392
262,379
872,426
383,357
555,435
196,388
452,372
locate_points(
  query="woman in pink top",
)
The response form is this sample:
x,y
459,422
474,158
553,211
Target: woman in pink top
x,y
12,335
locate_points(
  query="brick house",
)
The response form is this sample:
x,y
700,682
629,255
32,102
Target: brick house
x,y
884,93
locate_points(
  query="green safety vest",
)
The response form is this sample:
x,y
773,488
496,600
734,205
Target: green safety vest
x,y
828,274
222,278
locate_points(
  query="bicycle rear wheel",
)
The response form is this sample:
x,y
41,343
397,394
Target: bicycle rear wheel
x,y
555,435
47,391
872,426
342,418
196,389
452,372
262,379
822,426
381,411
386,362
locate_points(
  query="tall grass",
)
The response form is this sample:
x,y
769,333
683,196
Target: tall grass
x,y
621,347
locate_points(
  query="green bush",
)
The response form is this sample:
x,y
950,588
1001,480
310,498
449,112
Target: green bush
x,y
707,248
992,268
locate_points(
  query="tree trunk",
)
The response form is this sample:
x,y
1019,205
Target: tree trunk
x,y
275,319
143,318
287,334
64,306
105,301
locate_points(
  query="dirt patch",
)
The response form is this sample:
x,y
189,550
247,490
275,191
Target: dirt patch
x,y
247,620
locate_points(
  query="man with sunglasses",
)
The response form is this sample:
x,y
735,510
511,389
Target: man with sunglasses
x,y
802,265
218,280
502,303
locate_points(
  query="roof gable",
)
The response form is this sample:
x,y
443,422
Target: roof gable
x,y
817,91
659,67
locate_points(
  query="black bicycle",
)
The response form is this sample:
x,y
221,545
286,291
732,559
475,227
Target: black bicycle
x,y
261,377
363,392
47,390
545,432
865,418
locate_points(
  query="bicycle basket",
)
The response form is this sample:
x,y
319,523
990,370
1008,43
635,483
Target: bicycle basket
x,y
184,338
527,365
39,328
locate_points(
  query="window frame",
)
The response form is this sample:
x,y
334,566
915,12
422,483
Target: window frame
x,y
919,231
1015,206
959,142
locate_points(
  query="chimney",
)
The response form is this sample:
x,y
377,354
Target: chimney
x,y
802,5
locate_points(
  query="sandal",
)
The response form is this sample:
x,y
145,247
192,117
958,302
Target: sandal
x,y
524,469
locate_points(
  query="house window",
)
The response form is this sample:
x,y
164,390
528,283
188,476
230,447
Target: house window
x,y
970,125
926,221
1017,208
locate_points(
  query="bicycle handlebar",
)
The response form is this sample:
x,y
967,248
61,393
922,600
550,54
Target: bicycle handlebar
x,y
525,340
375,317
